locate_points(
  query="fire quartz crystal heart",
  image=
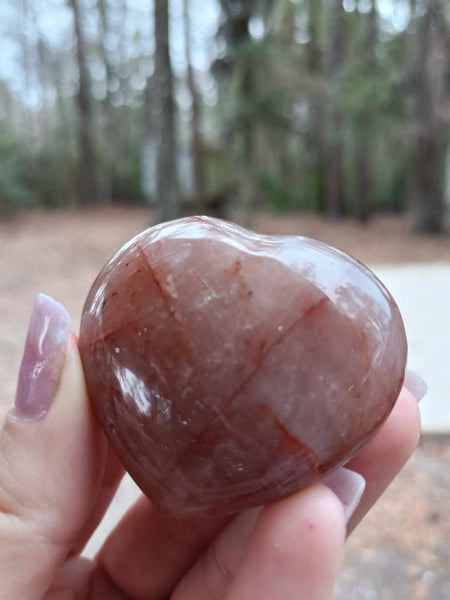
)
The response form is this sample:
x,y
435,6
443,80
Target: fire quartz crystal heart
x,y
229,369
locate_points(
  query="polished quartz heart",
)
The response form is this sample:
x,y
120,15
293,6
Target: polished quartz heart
x,y
229,369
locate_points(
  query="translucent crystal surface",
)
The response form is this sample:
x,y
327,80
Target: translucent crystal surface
x,y
230,369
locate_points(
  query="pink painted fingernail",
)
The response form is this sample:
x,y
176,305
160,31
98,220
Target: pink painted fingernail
x,y
42,360
348,486
415,385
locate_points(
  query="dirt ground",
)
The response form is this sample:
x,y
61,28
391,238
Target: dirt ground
x,y
402,550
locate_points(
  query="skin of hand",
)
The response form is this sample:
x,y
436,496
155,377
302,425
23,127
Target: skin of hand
x,y
58,477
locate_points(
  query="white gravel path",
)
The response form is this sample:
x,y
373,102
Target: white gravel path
x,y
422,292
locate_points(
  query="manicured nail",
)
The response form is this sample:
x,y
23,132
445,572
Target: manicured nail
x,y
415,385
42,361
348,487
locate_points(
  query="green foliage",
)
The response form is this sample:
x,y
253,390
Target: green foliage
x,y
220,176
278,197
127,176
50,175
14,194
266,134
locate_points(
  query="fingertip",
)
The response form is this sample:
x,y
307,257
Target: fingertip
x,y
385,455
396,439
43,360
411,424
399,435
314,517
409,412
415,385
348,486
296,548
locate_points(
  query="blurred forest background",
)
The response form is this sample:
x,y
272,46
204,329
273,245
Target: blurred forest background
x,y
339,107
311,117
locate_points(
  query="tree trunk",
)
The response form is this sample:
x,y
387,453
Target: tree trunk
x,y
166,181
364,129
196,141
248,131
41,67
315,69
363,204
333,152
106,182
237,36
28,125
87,184
429,156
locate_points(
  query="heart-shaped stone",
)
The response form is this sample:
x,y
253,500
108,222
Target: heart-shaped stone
x,y
229,369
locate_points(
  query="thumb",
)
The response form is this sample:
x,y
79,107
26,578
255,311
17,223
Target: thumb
x,y
52,457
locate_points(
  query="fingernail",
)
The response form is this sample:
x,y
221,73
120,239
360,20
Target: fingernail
x,y
348,487
415,385
42,361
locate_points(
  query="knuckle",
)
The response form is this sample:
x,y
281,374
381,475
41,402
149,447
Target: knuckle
x,y
217,574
